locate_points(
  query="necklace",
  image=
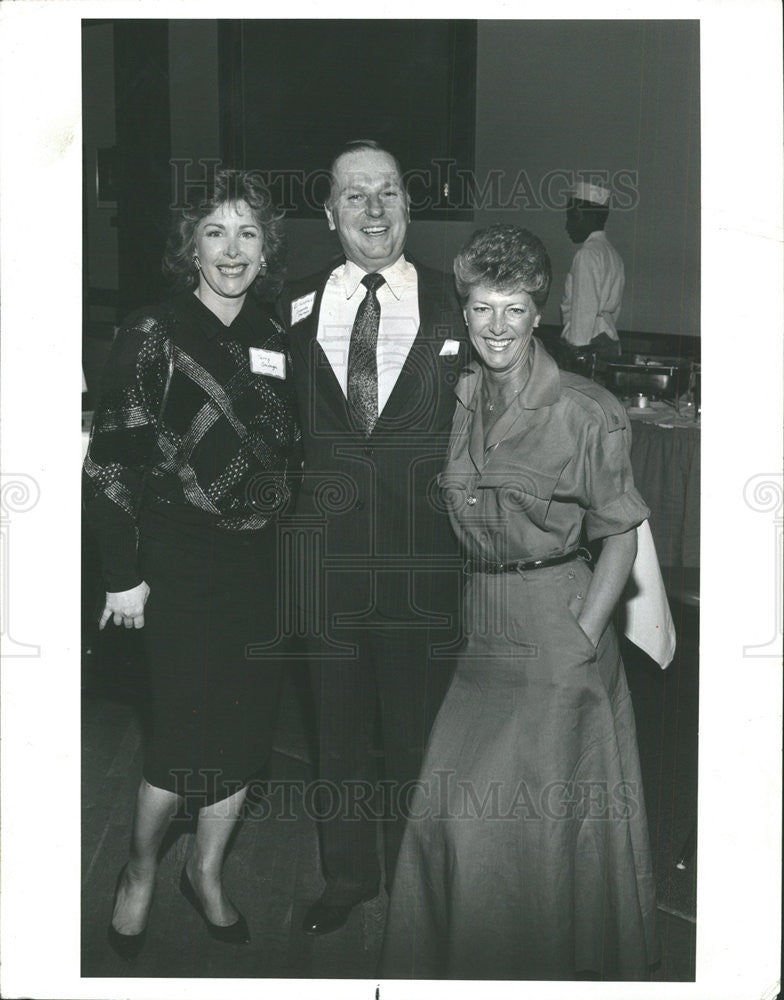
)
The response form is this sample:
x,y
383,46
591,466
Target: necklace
x,y
522,372
490,404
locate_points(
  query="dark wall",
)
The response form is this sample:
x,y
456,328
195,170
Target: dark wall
x,y
550,96
296,91
98,132
142,94
558,98
620,97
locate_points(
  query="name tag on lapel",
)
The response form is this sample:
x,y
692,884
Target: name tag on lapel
x,y
450,347
267,362
302,307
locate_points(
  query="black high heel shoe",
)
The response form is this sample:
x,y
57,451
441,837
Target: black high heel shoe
x,y
236,933
126,946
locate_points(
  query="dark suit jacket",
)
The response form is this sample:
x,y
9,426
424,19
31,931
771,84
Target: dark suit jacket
x,y
387,542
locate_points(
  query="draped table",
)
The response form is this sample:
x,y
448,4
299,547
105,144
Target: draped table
x,y
665,459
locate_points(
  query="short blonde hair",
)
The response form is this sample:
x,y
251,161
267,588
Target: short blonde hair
x,y
504,257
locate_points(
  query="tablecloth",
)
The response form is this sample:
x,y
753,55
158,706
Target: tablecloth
x,y
665,458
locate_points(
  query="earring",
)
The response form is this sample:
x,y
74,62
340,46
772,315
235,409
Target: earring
x,y
262,265
196,262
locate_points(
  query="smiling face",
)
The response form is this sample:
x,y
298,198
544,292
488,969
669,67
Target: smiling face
x,y
368,208
500,326
228,244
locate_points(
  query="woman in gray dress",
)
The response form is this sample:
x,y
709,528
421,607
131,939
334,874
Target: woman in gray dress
x,y
527,855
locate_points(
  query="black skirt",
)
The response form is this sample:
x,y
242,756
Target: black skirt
x,y
213,593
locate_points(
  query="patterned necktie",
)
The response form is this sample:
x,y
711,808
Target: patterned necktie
x,y
362,374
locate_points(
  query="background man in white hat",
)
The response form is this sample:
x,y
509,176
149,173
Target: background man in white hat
x,y
594,286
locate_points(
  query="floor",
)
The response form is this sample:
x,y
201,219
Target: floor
x,y
272,869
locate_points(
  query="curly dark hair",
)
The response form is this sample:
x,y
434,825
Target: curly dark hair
x,y
230,187
504,257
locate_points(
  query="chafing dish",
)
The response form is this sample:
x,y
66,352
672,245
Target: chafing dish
x,y
664,378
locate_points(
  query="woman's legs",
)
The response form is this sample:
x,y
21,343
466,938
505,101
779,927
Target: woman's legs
x,y
155,808
205,864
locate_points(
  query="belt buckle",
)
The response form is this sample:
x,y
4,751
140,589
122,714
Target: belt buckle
x,y
492,568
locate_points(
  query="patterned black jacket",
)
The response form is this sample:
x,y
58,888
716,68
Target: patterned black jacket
x,y
227,448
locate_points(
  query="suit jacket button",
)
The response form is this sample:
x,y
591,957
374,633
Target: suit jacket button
x,y
367,451
359,505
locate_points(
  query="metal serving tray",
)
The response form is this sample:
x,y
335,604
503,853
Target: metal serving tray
x,y
649,376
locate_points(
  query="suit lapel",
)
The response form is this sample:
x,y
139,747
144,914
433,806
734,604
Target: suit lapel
x,y
303,337
423,371
410,380
423,363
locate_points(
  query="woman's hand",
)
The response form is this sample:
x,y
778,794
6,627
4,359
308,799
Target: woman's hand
x,y
609,578
126,607
577,606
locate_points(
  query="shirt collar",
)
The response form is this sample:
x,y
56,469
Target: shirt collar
x,y
396,276
542,388
597,234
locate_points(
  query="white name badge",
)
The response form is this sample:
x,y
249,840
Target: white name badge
x,y
450,347
267,362
302,308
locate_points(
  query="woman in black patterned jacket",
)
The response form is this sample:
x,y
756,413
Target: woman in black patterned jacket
x,y
191,456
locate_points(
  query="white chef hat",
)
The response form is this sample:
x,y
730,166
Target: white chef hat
x,y
593,193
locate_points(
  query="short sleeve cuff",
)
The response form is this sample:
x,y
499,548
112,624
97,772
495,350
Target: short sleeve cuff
x,y
623,514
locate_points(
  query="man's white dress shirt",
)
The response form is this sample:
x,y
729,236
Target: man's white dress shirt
x,y
398,325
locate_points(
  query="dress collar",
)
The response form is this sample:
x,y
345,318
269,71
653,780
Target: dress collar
x,y
597,236
542,388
